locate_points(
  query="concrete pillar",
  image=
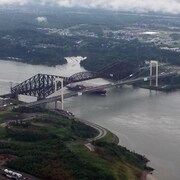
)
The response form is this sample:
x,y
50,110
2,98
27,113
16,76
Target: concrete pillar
x,y
157,73
150,74
152,63
55,104
62,93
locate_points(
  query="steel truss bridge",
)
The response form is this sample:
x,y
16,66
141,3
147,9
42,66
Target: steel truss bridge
x,y
43,85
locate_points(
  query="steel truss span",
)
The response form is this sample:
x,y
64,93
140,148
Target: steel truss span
x,y
42,85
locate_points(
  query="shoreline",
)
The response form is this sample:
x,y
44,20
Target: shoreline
x,y
165,90
114,139
100,129
146,175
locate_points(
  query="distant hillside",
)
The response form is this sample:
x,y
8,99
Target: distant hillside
x,y
47,35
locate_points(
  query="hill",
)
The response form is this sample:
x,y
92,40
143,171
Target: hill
x,y
48,146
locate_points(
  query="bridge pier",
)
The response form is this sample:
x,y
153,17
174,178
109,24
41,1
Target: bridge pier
x,y
55,104
62,94
152,64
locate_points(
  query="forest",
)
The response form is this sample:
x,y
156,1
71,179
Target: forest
x,y
72,32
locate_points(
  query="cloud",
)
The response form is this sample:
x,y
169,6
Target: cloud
x,y
167,6
21,2
41,19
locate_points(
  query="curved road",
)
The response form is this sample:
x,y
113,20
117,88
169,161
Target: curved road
x,y
102,131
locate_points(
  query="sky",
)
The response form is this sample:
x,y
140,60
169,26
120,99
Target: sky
x,y
165,6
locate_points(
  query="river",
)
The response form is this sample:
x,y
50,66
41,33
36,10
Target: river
x,y
146,122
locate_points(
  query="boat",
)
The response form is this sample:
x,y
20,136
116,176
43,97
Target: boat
x,y
78,87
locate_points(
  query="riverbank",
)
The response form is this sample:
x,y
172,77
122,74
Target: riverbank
x,y
44,127
165,88
106,135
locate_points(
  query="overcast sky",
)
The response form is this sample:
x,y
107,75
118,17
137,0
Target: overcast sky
x,y
169,6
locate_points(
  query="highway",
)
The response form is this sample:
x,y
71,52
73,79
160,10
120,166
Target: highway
x,y
109,85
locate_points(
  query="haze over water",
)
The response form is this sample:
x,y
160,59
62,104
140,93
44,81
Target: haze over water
x,y
145,122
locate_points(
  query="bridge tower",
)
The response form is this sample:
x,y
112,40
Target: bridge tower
x,y
62,93
154,64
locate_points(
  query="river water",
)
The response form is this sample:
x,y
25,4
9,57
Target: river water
x,y
146,122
